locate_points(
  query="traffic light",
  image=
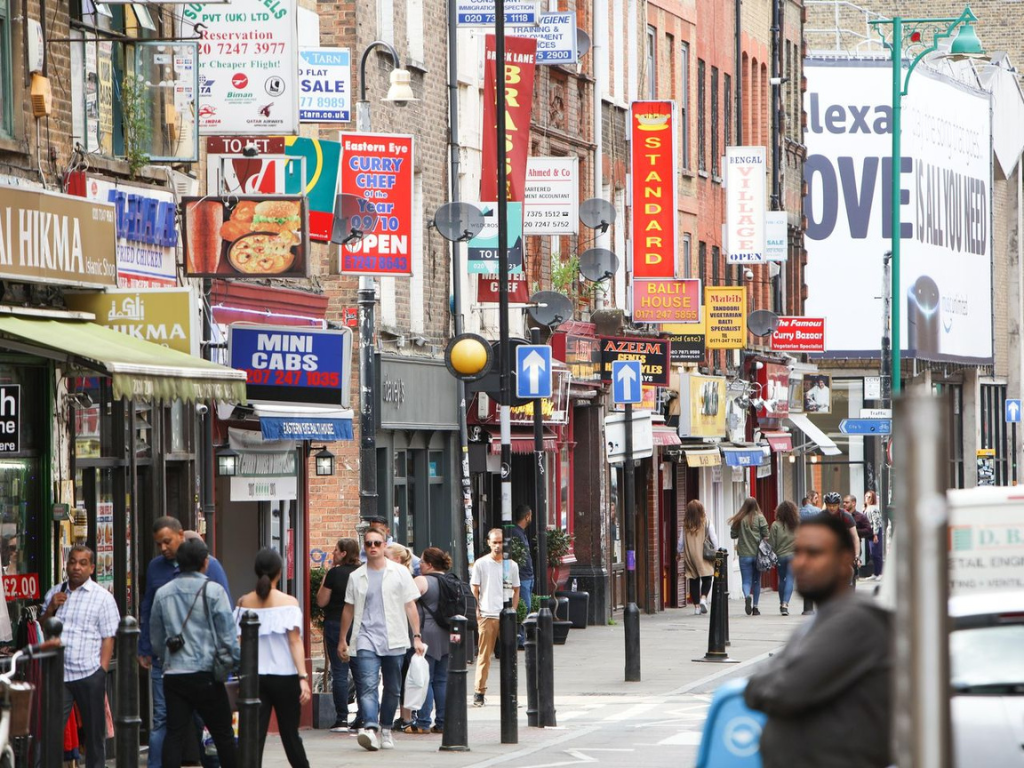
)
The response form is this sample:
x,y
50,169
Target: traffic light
x,y
468,356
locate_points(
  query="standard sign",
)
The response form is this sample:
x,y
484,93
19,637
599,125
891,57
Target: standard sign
x,y
480,13
293,365
653,355
10,418
555,34
653,165
799,334
552,199
325,85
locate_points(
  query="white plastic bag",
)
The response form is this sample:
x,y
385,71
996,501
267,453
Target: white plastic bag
x,y
416,681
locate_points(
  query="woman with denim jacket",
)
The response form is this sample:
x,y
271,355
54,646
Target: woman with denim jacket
x,y
191,619
749,527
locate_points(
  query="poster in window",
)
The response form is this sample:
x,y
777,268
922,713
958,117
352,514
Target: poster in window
x,y
105,545
105,95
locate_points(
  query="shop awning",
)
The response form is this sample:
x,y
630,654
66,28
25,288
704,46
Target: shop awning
x,y
300,422
809,428
743,457
711,458
666,436
139,369
522,442
780,442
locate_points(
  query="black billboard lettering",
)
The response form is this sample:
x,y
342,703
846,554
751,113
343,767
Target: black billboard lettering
x,y
856,186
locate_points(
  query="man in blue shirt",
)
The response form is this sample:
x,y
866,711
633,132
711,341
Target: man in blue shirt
x,y
168,535
809,506
523,515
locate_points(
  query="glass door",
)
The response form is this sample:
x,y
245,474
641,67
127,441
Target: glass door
x,y
20,544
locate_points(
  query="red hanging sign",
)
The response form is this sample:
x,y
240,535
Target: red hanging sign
x,y
488,288
520,65
653,169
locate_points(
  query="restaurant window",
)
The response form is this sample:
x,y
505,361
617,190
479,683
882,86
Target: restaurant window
x,y
701,118
6,75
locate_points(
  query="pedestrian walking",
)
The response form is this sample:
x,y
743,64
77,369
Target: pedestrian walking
x,y
168,535
697,529
381,525
403,556
863,529
90,617
748,528
809,505
523,516
284,682
434,563
380,608
491,586
782,538
331,597
876,544
827,693
191,620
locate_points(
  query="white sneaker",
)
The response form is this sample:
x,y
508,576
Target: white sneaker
x,y
368,739
386,740
703,605
696,609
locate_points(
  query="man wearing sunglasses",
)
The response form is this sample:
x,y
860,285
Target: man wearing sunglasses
x,y
380,606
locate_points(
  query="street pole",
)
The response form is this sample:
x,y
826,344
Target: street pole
x,y
631,616
885,376
895,188
776,81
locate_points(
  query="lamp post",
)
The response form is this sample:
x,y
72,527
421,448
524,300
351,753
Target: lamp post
x,y
909,38
400,92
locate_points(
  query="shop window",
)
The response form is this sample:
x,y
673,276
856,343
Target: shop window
x,y
21,543
6,76
94,411
178,429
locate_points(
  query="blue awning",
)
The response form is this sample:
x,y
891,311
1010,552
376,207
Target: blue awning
x,y
743,457
304,423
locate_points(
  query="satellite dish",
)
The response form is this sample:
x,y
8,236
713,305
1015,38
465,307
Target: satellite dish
x,y
458,222
582,42
351,221
597,264
761,322
550,308
596,213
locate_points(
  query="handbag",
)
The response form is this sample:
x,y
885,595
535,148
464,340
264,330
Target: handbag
x,y
223,659
709,548
766,557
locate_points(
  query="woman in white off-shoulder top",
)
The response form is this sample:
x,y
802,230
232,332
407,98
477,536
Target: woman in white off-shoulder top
x,y
284,681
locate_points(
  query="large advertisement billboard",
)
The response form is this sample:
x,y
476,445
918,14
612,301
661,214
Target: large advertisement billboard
x,y
945,294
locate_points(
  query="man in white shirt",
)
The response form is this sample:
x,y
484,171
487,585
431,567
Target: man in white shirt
x,y
490,584
90,617
381,607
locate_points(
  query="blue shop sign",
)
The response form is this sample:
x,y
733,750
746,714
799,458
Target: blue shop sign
x,y
743,457
305,428
293,365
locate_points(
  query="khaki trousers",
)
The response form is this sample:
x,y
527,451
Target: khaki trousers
x,y
488,635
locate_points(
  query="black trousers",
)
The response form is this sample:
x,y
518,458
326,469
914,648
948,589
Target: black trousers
x,y
280,693
90,695
699,588
186,695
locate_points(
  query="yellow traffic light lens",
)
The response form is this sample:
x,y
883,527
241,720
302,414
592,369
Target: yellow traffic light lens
x,y
469,357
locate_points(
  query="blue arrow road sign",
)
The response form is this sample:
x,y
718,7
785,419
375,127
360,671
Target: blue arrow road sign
x,y
627,382
866,426
533,371
1012,411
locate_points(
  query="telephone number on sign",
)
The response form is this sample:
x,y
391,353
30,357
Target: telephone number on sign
x,y
488,18
293,378
546,214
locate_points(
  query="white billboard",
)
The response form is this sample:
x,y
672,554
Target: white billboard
x,y
945,295
744,204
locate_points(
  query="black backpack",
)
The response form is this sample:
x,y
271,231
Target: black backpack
x,y
453,599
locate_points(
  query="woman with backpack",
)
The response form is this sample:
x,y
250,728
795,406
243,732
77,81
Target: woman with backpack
x,y
782,538
697,529
749,528
434,566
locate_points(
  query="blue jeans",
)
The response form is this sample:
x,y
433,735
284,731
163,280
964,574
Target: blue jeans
x,y
525,596
785,579
158,728
339,670
437,693
751,578
369,669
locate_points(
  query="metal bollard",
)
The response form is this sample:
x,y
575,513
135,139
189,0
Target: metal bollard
x,y
51,736
249,692
455,737
127,720
507,639
530,625
718,628
808,607
546,663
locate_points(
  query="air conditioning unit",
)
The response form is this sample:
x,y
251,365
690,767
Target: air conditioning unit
x,y
184,185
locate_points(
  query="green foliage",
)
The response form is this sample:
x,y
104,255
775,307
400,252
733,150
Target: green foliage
x,y
135,122
517,551
559,545
316,613
565,275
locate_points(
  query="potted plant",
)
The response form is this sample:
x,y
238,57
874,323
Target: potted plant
x,y
559,546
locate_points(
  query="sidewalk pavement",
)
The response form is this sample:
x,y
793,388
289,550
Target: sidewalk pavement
x,y
589,670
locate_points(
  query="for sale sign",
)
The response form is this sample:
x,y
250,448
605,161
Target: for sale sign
x,y
378,169
799,334
10,418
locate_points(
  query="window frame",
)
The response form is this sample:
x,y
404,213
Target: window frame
x,y
6,72
702,164
727,108
652,62
684,105
715,151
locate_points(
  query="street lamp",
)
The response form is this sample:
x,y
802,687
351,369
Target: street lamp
x,y
399,93
227,462
908,38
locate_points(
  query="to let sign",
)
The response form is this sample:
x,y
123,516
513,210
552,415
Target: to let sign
x,y
799,334
653,355
666,301
652,164
10,418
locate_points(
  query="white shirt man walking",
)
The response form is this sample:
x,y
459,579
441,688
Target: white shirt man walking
x,y
490,586
380,606
90,617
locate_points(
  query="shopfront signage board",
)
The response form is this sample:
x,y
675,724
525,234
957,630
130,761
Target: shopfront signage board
x,y
725,310
653,355
10,418
552,199
799,334
615,436
653,164
555,34
164,316
481,13
666,301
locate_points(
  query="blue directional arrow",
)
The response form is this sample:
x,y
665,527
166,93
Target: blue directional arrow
x,y
1012,411
627,381
533,371
866,426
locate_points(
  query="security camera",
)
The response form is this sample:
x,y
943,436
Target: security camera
x,y
202,409
748,275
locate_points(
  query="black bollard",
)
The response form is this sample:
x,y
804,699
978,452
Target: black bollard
x,y
507,639
249,692
127,720
808,607
51,663
718,627
456,737
728,642
530,625
546,663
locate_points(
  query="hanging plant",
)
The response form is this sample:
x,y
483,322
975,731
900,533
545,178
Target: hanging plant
x,y
565,275
135,123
